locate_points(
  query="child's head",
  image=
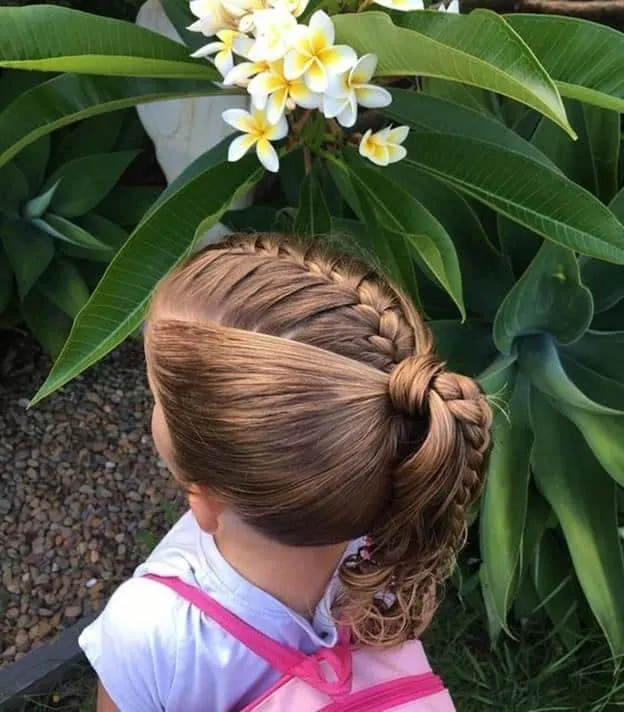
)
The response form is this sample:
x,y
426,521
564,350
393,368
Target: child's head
x,y
303,391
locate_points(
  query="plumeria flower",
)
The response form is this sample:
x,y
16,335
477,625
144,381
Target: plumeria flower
x,y
258,132
271,91
294,7
240,8
453,7
230,42
242,73
314,55
347,90
384,147
212,17
273,30
402,5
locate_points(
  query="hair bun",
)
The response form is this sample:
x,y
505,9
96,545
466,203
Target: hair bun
x,y
411,381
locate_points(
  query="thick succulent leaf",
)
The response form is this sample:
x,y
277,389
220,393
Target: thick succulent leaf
x,y
97,134
46,322
33,162
90,44
486,276
466,347
127,205
538,356
76,196
14,192
493,164
498,378
186,210
67,98
558,589
584,59
384,203
606,280
312,216
504,504
592,161
70,232
584,498
479,49
548,298
29,252
62,284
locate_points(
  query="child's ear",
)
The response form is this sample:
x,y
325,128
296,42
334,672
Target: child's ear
x,y
206,507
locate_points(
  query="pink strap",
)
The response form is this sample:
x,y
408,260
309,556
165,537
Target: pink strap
x,y
287,660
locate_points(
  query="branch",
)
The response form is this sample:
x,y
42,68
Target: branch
x,y
610,12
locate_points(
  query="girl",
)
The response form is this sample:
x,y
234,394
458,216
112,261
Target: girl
x,y
300,403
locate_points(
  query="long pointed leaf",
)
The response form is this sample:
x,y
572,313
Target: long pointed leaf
x,y
71,97
163,239
584,58
90,44
584,499
479,49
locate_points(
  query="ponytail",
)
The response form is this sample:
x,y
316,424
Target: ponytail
x,y
392,586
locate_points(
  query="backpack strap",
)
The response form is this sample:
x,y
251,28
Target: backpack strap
x,y
287,660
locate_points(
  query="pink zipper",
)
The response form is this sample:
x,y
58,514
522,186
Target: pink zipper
x,y
390,694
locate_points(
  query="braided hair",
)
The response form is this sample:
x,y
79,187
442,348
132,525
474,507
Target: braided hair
x,y
304,388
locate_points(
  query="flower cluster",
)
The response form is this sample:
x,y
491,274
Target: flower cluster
x,y
283,64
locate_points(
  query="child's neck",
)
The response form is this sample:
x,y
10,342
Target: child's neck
x,y
296,576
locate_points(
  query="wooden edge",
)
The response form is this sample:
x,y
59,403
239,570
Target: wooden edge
x,y
40,670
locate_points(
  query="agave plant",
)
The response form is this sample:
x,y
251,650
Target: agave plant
x,y
57,232
506,232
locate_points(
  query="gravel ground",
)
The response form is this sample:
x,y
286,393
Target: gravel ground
x,y
82,494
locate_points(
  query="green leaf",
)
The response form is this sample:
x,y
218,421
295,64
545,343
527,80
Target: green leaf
x,y
313,216
539,358
70,97
90,44
486,276
518,244
85,182
259,218
497,378
479,100
163,239
383,202
584,59
584,500
6,281
62,284
591,161
455,144
180,16
97,134
33,162
48,324
28,250
504,505
479,49
466,347
13,190
126,205
36,207
556,585
104,230
64,229
548,298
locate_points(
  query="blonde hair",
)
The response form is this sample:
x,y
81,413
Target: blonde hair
x,y
303,388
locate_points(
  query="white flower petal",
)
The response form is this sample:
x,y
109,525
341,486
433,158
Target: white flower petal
x,y
402,5
239,119
276,105
224,61
373,97
398,134
315,77
241,73
348,115
332,106
321,25
295,64
278,131
364,70
267,155
337,59
239,147
207,50
338,85
396,153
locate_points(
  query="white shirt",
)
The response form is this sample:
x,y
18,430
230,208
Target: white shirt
x,y
155,652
